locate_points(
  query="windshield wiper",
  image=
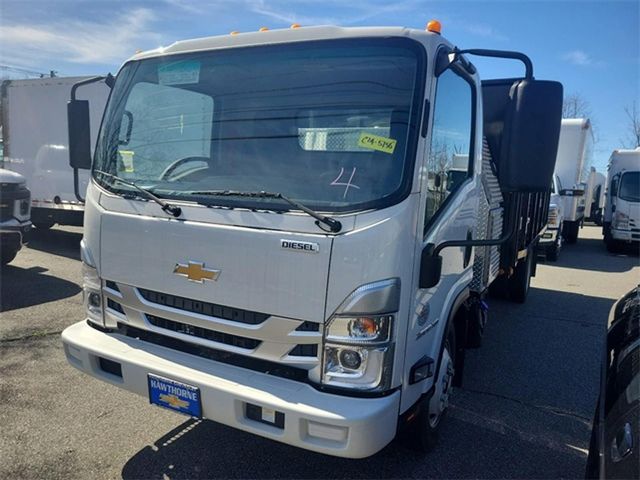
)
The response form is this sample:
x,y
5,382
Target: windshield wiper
x,y
334,225
166,207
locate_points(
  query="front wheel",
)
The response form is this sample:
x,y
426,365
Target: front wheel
x,y
570,231
424,431
521,280
7,255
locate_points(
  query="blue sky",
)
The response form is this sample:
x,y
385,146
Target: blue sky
x,y
592,47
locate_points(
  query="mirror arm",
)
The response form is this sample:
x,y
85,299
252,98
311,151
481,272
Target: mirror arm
x,y
108,80
481,52
511,228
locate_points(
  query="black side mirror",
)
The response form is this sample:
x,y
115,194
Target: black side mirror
x,y
430,267
79,134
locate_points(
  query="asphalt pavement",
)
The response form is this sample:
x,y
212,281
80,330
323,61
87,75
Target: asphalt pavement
x,y
524,410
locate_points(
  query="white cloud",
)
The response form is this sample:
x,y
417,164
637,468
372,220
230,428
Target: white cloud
x,y
84,42
484,31
578,57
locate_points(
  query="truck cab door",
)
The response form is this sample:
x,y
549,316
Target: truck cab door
x,y
448,211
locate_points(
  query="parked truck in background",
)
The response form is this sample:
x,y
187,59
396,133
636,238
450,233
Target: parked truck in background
x,y
621,219
35,141
15,208
267,240
572,169
551,240
594,196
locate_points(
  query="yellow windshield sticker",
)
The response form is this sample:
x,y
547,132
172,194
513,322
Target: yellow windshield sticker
x,y
127,160
374,142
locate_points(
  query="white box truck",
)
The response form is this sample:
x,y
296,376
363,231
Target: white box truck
x,y
268,239
572,169
35,138
621,219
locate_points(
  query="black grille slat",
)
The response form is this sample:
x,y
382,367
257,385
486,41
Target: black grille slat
x,y
204,333
308,327
114,306
204,308
112,285
310,350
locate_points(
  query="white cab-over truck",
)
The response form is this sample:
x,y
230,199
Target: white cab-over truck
x,y
621,218
34,123
551,240
572,169
15,207
269,240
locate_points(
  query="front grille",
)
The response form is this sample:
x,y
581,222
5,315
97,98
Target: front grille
x,y
204,333
112,285
238,360
204,308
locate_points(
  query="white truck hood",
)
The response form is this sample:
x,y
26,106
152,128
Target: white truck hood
x,y
255,272
7,176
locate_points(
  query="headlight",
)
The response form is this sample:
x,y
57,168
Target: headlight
x,y
373,329
620,221
358,348
92,294
553,219
22,209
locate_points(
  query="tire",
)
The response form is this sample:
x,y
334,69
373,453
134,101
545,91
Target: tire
x,y
478,317
7,255
422,435
613,246
552,252
44,225
570,231
521,280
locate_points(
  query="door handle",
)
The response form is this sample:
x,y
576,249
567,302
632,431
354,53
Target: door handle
x,y
467,251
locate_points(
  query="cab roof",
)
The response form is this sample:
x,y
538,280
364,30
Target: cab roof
x,y
288,35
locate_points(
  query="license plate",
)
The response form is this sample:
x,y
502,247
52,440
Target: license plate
x,y
176,396
546,235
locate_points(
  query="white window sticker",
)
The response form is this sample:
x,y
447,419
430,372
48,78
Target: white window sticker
x,y
179,73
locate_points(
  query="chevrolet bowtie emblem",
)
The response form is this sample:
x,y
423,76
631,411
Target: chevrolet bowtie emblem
x,y
196,272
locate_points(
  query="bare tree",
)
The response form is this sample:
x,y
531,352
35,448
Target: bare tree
x,y
633,125
575,105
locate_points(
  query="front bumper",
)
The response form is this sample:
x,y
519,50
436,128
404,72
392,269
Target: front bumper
x,y
13,231
625,235
549,237
332,424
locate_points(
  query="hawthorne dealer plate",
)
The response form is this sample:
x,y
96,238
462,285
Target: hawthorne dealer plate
x,y
176,396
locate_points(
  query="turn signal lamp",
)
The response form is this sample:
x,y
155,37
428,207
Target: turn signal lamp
x,y
434,26
295,25
234,33
263,29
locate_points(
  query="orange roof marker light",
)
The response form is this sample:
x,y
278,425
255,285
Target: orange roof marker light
x,y
263,29
295,25
235,32
434,26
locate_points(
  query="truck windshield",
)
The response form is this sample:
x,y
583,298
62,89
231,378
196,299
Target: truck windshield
x,y
630,187
331,124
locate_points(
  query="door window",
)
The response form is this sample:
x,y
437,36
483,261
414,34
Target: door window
x,y
448,162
